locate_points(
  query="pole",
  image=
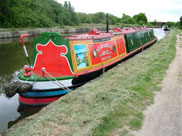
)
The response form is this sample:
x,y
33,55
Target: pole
x,y
107,23
24,47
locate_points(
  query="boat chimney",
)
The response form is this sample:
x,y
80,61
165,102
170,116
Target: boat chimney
x,y
107,23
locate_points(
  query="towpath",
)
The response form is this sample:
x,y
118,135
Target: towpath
x,y
164,117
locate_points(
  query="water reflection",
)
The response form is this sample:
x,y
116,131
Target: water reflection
x,y
12,111
24,111
14,39
12,58
8,110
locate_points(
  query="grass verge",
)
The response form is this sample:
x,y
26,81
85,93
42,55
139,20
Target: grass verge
x,y
110,105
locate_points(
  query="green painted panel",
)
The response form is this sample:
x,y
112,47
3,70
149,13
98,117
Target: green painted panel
x,y
132,42
144,38
138,39
57,39
37,78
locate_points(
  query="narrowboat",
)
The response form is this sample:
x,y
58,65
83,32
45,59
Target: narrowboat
x,y
165,28
63,62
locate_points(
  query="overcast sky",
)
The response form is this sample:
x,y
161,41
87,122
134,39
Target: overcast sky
x,y
161,10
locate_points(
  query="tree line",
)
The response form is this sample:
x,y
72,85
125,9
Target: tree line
x,y
49,13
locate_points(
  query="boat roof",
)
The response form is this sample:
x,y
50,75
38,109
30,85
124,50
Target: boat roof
x,y
96,34
86,36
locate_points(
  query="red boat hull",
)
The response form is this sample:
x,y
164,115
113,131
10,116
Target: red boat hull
x,y
37,101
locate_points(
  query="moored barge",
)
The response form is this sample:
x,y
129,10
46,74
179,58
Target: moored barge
x,y
63,62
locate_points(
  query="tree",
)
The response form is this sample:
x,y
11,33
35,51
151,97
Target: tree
x,y
154,23
70,17
99,17
113,19
66,5
180,22
74,18
84,18
36,13
170,24
126,19
140,18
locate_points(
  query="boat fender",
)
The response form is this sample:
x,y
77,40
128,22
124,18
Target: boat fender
x,y
17,87
25,87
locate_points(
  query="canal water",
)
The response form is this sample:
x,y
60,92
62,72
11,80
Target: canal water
x,y
160,33
12,59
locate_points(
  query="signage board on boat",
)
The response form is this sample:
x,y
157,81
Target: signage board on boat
x,y
101,52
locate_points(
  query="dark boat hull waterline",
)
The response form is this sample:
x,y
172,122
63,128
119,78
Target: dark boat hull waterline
x,y
63,62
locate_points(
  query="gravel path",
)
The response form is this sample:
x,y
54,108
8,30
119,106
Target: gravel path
x,y
164,117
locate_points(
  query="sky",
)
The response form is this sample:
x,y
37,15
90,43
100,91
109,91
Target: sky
x,y
160,10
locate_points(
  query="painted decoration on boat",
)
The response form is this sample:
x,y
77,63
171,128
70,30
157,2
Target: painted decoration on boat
x,y
81,56
52,58
121,46
87,54
101,52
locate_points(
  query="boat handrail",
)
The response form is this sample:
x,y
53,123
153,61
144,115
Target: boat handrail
x,y
24,47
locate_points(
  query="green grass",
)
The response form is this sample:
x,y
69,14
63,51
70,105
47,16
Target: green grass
x,y
111,105
137,121
155,61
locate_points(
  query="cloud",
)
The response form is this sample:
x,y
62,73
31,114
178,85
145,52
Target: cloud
x,y
161,10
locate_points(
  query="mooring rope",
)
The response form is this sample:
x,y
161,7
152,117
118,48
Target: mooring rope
x,y
62,85
57,82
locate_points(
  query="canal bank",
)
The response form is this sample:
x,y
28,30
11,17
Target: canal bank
x,y
114,100
5,33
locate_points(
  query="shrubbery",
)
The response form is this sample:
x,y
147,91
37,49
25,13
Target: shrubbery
x,y
48,13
